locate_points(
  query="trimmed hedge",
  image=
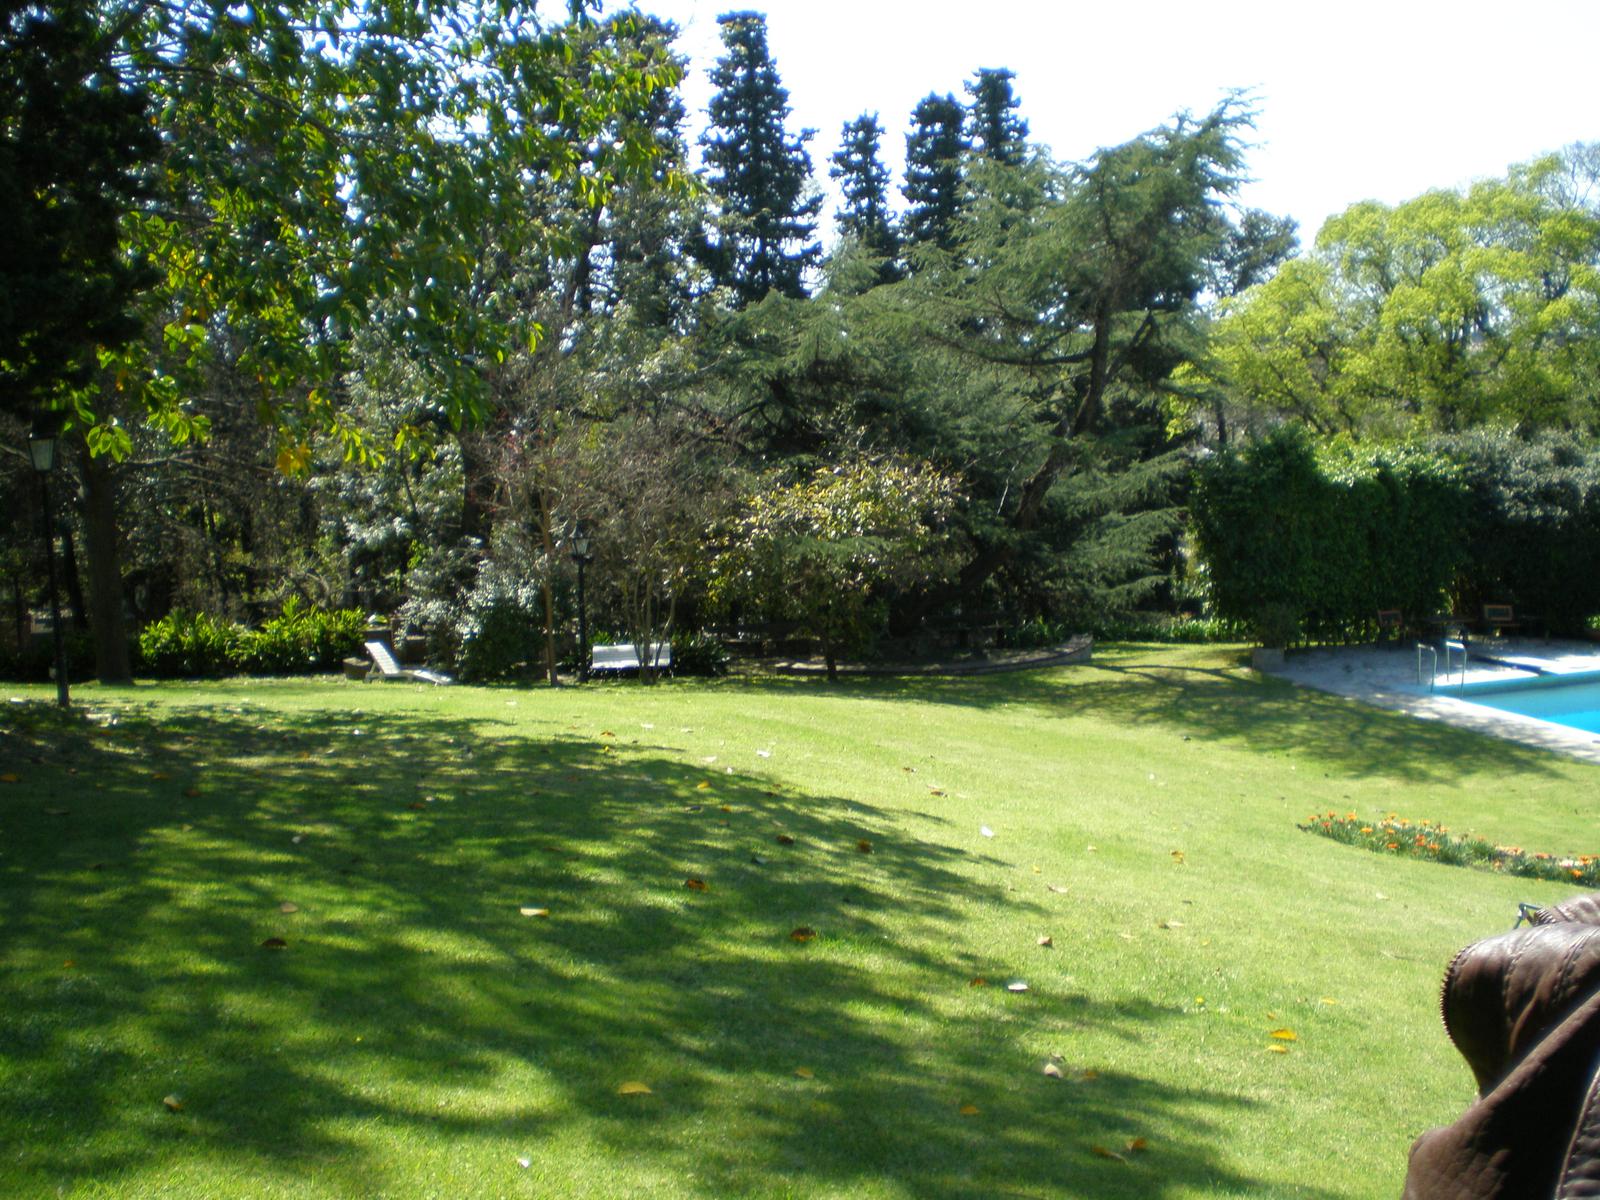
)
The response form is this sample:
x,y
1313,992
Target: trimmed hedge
x,y
1294,544
1451,524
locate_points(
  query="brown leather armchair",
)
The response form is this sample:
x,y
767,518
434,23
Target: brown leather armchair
x,y
1524,1010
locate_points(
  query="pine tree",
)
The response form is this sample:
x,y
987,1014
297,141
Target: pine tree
x,y
994,128
934,149
864,181
73,150
759,173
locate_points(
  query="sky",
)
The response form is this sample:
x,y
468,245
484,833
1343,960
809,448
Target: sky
x,y
1357,100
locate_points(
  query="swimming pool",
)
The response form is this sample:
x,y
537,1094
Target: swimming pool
x,y
1570,700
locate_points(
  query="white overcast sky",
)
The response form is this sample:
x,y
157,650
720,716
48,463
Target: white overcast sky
x,y
1358,100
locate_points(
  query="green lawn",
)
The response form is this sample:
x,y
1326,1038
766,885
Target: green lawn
x,y
418,1036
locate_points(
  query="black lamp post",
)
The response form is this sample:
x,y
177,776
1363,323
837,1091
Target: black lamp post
x,y
42,449
579,543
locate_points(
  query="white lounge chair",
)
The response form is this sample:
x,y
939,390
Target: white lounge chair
x,y
383,662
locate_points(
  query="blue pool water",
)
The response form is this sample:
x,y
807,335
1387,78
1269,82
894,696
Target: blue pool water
x,y
1572,700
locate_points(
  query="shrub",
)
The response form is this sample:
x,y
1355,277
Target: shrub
x,y
698,653
190,644
303,639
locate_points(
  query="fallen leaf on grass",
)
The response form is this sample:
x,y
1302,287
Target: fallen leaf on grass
x,y
172,1103
193,793
864,846
274,943
416,806
703,786
935,791
725,807
783,839
288,906
1171,925
1047,941
1177,856
1056,888
978,981
802,933
805,1073
534,912
697,885
1285,1035
1278,1048
969,1110
634,1088
10,777
763,753
1052,1071
1102,1152
160,776
1137,1145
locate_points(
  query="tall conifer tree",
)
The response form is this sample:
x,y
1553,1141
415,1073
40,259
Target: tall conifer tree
x,y
864,182
994,128
934,148
758,172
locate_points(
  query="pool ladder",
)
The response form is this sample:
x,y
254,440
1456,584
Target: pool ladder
x,y
1433,671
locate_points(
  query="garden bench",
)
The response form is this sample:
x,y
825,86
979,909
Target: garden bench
x,y
625,657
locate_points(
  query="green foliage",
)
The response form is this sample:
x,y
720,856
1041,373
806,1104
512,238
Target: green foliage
x,y
302,640
864,184
757,170
1289,540
188,645
994,129
74,145
823,551
1449,311
698,653
933,183
36,658
1532,533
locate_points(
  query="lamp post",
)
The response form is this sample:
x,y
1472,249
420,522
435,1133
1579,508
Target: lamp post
x,y
42,449
579,544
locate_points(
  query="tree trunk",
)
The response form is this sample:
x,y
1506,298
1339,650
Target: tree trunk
x,y
69,548
103,548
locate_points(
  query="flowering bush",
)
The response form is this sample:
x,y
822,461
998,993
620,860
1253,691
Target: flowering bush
x,y
1426,839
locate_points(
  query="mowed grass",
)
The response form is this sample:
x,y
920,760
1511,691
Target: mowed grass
x,y
418,1036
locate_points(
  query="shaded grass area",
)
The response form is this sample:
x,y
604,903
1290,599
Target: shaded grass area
x,y
419,1036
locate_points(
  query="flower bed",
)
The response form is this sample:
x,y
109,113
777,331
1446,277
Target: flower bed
x,y
1426,839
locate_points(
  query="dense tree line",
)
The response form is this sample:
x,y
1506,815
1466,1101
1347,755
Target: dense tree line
x,y
395,297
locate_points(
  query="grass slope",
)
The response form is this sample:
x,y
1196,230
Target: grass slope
x,y
419,1036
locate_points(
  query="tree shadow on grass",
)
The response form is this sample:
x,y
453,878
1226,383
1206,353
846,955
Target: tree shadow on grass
x,y
1224,704
413,1016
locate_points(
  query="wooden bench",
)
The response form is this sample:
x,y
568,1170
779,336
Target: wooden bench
x,y
625,657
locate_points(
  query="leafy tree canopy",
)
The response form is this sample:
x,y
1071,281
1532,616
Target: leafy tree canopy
x,y
1449,311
